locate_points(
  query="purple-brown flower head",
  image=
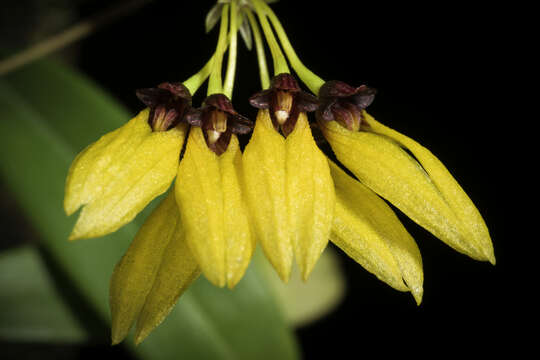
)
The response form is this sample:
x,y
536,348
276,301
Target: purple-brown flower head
x,y
168,103
219,121
285,100
344,103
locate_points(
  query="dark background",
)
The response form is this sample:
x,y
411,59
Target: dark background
x,y
436,68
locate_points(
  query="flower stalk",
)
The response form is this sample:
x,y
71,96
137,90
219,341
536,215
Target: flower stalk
x,y
215,85
259,45
280,63
312,81
233,48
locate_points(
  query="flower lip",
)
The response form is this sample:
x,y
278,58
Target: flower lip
x,y
344,103
285,100
219,121
168,103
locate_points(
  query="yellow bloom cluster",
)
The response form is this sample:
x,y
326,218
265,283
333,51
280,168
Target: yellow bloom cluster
x,y
281,192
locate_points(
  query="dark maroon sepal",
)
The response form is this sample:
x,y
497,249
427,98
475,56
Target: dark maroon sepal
x,y
262,99
152,97
344,103
241,125
361,96
202,117
284,92
194,117
168,103
238,124
306,102
285,82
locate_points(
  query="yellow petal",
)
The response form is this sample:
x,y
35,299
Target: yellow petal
x,y
310,196
177,271
264,162
239,239
214,215
387,169
134,274
85,180
473,224
116,177
367,229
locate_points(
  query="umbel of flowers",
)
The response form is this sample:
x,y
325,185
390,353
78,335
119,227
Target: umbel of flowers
x,y
280,192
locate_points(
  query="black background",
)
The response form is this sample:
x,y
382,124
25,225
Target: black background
x,y
436,71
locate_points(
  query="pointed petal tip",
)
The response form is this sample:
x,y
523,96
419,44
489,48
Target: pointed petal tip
x,y
484,255
67,210
284,276
233,280
118,332
74,236
140,336
417,293
115,340
219,280
78,235
490,255
306,272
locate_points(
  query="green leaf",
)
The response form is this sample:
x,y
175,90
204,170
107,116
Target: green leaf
x,y
305,302
48,114
31,307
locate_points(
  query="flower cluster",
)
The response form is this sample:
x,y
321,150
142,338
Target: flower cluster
x,y
281,191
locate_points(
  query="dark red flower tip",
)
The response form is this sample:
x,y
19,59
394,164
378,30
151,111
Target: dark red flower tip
x,y
344,103
168,103
219,121
285,100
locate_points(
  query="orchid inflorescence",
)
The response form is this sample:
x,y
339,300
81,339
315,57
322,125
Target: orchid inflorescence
x,y
281,191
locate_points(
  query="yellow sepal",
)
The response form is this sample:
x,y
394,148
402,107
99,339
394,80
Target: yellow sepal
x,y
265,178
382,165
117,176
368,230
214,214
290,194
134,274
176,273
310,196
474,227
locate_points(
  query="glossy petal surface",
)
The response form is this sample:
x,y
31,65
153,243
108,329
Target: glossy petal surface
x,y
367,229
214,214
177,271
290,194
134,274
310,195
382,165
265,177
473,224
117,176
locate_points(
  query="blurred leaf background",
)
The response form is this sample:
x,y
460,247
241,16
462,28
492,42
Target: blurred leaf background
x,y
53,294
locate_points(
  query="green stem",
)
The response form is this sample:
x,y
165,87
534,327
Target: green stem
x,y
195,81
261,57
280,63
231,64
312,81
215,85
